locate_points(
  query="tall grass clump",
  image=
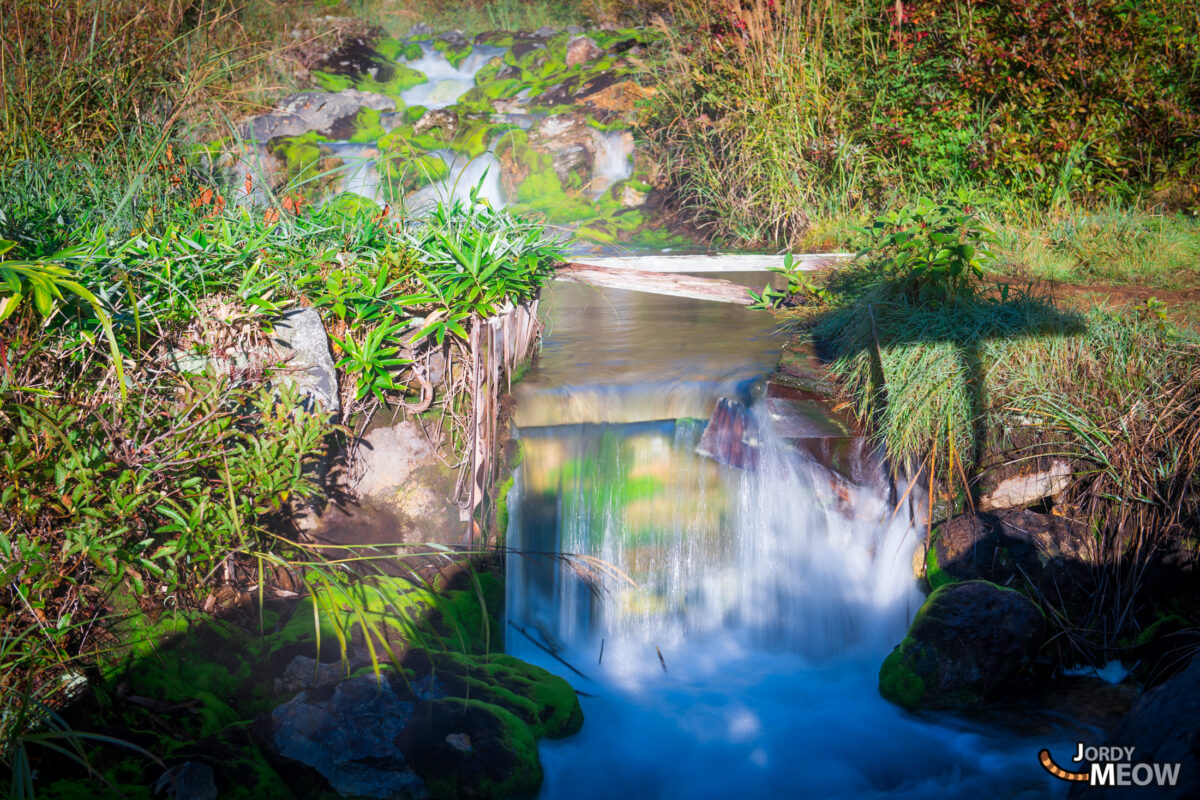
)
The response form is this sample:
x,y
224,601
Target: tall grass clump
x,y
775,116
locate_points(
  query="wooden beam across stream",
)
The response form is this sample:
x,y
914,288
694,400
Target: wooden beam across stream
x,y
663,274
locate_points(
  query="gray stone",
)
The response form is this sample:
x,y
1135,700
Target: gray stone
x,y
309,365
569,140
441,118
350,738
303,672
546,31
302,112
190,780
420,29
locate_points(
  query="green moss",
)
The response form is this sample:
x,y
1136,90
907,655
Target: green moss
x,y
394,49
404,78
543,701
454,53
332,83
898,682
414,113
367,127
934,574
496,39
390,48
301,154
352,206
502,506
1172,622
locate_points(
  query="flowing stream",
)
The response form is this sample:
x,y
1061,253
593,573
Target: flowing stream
x,y
447,83
730,622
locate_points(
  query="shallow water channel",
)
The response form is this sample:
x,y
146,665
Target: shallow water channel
x,y
728,623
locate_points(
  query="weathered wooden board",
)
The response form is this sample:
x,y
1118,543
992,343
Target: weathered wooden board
x,y
714,263
656,283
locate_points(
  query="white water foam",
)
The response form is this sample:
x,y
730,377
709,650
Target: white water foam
x,y
614,160
446,82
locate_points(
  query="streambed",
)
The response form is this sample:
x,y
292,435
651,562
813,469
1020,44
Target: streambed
x,y
730,622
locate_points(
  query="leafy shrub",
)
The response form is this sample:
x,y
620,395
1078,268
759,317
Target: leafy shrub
x,y
932,252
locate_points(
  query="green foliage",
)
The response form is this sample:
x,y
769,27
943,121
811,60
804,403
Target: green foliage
x,y
931,252
799,290
774,115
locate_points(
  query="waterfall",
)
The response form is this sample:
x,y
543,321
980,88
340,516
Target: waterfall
x,y
726,624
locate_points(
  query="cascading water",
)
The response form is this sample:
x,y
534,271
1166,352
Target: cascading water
x,y
446,84
730,622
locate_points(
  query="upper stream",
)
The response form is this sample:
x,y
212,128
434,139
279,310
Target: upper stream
x,y
730,622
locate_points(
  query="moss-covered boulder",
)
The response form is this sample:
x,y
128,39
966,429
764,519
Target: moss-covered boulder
x,y
470,748
969,643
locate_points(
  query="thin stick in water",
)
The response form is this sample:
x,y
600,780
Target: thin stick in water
x,y
661,660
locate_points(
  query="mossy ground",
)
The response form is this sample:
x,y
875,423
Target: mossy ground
x,y
190,687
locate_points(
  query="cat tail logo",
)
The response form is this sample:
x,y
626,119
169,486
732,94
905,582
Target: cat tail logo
x,y
1111,766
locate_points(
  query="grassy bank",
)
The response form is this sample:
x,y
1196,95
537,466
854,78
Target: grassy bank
x,y
960,377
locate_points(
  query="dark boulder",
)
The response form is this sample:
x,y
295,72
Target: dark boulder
x,y
969,643
471,749
1038,553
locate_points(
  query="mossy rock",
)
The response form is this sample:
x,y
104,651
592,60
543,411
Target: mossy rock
x,y
301,154
543,701
395,49
367,126
969,644
538,185
455,52
470,748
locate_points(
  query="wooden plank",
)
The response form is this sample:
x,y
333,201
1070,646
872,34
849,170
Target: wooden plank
x,y
737,262
655,283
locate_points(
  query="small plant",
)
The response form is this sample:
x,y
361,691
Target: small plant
x,y
932,252
800,289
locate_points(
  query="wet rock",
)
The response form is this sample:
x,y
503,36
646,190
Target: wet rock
x,y
327,113
731,437
546,32
570,141
443,119
309,365
190,780
630,196
1019,487
420,29
350,738
1045,554
581,50
1164,726
303,672
968,644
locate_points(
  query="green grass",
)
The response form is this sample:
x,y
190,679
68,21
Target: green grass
x,y
1114,246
